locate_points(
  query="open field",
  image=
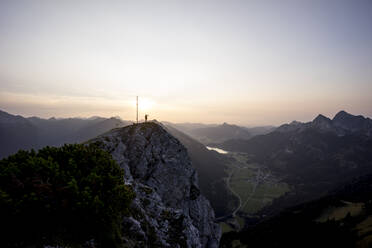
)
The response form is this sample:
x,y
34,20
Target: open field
x,y
338,213
263,196
225,227
255,185
233,224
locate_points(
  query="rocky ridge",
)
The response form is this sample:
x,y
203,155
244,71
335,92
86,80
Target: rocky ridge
x,y
168,210
342,124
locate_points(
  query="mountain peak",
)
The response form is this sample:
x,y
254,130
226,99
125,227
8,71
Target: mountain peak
x,y
321,118
159,169
354,123
5,117
145,130
295,123
322,122
342,115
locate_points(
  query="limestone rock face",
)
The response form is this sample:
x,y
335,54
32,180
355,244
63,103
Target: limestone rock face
x,y
168,210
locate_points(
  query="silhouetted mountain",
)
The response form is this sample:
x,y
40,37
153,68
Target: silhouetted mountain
x,y
353,123
220,133
187,127
322,123
213,133
260,130
211,171
17,132
342,124
312,157
100,127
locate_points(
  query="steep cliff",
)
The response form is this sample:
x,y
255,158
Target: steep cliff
x,y
168,210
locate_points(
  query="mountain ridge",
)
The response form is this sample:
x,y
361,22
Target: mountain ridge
x,y
211,168
214,133
169,210
18,132
312,157
342,123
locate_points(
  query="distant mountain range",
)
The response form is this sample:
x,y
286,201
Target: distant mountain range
x,y
342,124
17,132
312,157
186,127
219,133
328,165
323,161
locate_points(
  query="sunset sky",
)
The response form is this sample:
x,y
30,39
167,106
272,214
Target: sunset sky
x,y
244,62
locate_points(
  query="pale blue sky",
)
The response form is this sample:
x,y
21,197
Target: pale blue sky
x,y
245,62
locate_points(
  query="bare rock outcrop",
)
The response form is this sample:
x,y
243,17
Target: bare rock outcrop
x,y
169,210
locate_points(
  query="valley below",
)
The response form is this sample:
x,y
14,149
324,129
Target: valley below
x,y
279,187
253,184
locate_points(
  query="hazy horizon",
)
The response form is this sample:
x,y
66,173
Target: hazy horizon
x,y
185,122
243,62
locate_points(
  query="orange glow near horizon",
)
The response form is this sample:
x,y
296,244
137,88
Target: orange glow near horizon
x,y
259,62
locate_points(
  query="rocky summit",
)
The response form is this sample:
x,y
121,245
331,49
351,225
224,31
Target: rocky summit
x,y
169,210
